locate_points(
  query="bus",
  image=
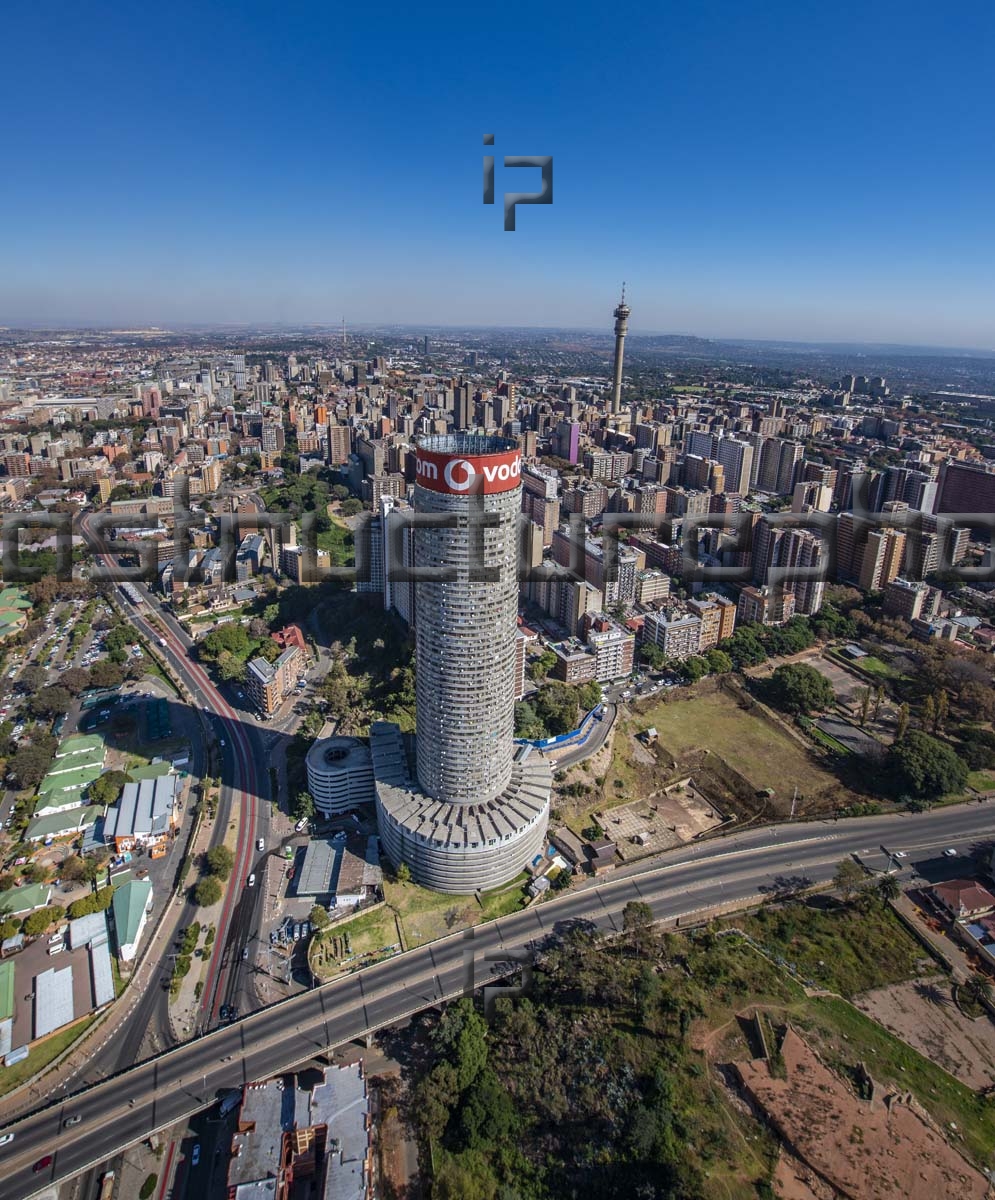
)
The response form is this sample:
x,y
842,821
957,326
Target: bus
x,y
132,593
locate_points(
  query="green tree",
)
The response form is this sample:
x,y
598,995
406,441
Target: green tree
x,y
303,808
208,891
467,1176
719,663
50,702
799,688
864,694
654,657
902,724
694,668
8,928
888,888
403,873
540,667
148,1187
319,918
72,869
41,919
220,862
849,878
924,766
108,788
30,765
461,1037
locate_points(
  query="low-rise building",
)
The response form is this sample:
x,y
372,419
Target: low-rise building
x,y
131,905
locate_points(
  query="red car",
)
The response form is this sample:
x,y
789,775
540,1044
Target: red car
x,y
42,1163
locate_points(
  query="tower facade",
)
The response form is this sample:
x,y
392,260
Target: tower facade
x,y
622,313
470,809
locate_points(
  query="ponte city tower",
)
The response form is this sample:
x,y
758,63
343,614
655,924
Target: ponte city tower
x,y
474,810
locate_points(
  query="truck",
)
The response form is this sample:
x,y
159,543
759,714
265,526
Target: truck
x,y
106,1185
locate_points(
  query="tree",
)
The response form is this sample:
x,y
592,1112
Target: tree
x,y
978,700
902,725
978,989
303,807
73,869
105,674
50,701
864,694
461,1038
942,710
403,873
220,862
319,918
849,878
540,667
32,678
9,928
694,668
148,1187
799,688
466,1176
40,920
888,888
74,680
719,663
651,654
637,925
924,766
30,765
878,699
108,788
928,713
208,891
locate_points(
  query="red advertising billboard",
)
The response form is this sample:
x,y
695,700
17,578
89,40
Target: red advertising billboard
x,y
469,474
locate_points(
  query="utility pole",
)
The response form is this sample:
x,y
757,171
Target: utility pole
x,y
794,801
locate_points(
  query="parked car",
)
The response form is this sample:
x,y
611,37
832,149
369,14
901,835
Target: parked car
x,y
195,1156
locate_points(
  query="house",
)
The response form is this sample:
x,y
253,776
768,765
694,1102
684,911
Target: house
x,y
964,898
143,816
131,905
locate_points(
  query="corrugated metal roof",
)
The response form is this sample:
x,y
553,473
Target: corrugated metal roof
x,y
53,1000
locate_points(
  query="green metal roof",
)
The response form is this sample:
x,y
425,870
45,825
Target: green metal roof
x,y
52,785
84,760
63,822
78,742
129,902
25,899
6,990
150,771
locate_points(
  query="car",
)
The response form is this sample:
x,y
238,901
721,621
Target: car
x,y
251,881
950,852
305,929
69,1122
222,741
260,844
223,1012
301,824
42,1163
901,853
245,954
297,932
195,1155
6,1139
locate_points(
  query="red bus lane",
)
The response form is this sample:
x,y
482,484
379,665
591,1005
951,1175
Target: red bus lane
x,y
247,821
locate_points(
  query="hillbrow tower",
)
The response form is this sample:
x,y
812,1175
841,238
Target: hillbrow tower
x,y
474,810
622,313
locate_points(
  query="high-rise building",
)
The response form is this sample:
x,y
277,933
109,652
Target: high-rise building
x,y
882,558
475,810
622,314
966,488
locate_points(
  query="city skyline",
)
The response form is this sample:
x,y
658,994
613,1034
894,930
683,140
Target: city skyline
x,y
784,179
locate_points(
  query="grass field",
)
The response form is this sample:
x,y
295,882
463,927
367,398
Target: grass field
x,y
368,933
766,755
844,950
981,781
425,915
41,1055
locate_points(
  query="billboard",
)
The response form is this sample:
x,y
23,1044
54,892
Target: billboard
x,y
469,474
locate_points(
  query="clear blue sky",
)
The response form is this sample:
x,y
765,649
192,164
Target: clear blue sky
x,y
782,170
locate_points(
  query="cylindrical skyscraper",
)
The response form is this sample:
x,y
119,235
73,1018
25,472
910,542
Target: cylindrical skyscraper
x,y
622,313
477,812
465,666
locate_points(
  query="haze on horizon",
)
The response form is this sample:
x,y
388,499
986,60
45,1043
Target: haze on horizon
x,y
765,173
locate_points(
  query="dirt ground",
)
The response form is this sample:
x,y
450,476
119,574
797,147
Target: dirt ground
x,y
924,1015
882,1148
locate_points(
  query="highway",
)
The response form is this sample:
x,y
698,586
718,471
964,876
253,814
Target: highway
x,y
738,868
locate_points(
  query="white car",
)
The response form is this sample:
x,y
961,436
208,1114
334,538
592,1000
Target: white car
x,y
251,881
260,845
6,1139
222,741
950,852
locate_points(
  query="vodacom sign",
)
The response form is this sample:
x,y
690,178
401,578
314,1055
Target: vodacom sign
x,y
462,475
